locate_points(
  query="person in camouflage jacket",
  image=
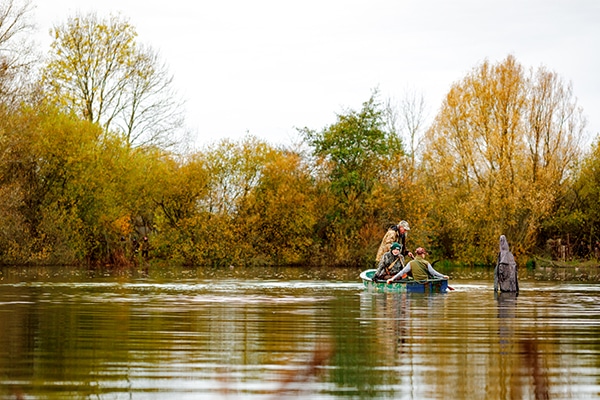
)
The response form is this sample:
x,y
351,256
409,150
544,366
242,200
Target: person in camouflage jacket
x,y
391,262
396,233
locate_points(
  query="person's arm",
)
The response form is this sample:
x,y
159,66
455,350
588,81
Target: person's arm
x,y
405,270
435,273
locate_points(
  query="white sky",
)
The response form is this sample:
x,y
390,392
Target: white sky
x,y
269,66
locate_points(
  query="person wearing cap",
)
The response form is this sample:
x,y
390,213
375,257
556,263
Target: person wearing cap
x,y
421,268
391,262
396,233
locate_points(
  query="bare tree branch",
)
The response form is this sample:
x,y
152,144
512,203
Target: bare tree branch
x,y
16,51
99,71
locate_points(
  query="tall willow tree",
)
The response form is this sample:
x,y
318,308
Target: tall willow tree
x,y
498,155
98,70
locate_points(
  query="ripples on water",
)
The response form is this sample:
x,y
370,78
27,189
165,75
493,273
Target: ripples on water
x,y
285,334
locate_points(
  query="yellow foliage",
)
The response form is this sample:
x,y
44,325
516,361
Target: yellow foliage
x,y
123,225
487,162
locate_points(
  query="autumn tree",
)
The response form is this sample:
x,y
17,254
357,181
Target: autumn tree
x,y
15,60
280,213
576,222
47,184
355,152
399,195
201,201
182,184
498,155
98,70
235,169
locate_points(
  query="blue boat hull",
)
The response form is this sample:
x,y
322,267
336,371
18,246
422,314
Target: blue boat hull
x,y
403,286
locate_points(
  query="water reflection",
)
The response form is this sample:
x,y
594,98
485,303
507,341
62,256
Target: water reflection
x,y
510,382
390,315
519,351
535,368
507,307
284,335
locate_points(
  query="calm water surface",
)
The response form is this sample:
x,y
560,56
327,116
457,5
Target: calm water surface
x,y
288,333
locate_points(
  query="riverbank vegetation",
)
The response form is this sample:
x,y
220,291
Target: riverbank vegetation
x,y
90,166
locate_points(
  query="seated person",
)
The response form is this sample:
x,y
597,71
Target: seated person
x,y
391,262
421,269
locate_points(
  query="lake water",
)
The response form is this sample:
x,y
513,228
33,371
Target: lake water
x,y
172,333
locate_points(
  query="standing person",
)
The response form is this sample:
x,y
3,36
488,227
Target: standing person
x,y
391,262
505,274
145,247
396,233
421,268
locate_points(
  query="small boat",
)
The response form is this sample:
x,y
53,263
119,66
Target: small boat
x,y
405,285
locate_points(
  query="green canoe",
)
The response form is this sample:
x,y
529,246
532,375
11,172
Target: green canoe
x,y
405,285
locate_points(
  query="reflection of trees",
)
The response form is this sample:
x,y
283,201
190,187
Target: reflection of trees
x,y
405,337
391,323
507,303
533,366
122,338
17,348
396,312
510,385
519,357
294,340
357,349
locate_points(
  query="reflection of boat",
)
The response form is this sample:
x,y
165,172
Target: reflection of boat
x,y
405,285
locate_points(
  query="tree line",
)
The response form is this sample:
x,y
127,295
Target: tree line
x,y
89,163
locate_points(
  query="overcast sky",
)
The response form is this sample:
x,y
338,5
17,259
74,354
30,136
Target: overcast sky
x,y
268,67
